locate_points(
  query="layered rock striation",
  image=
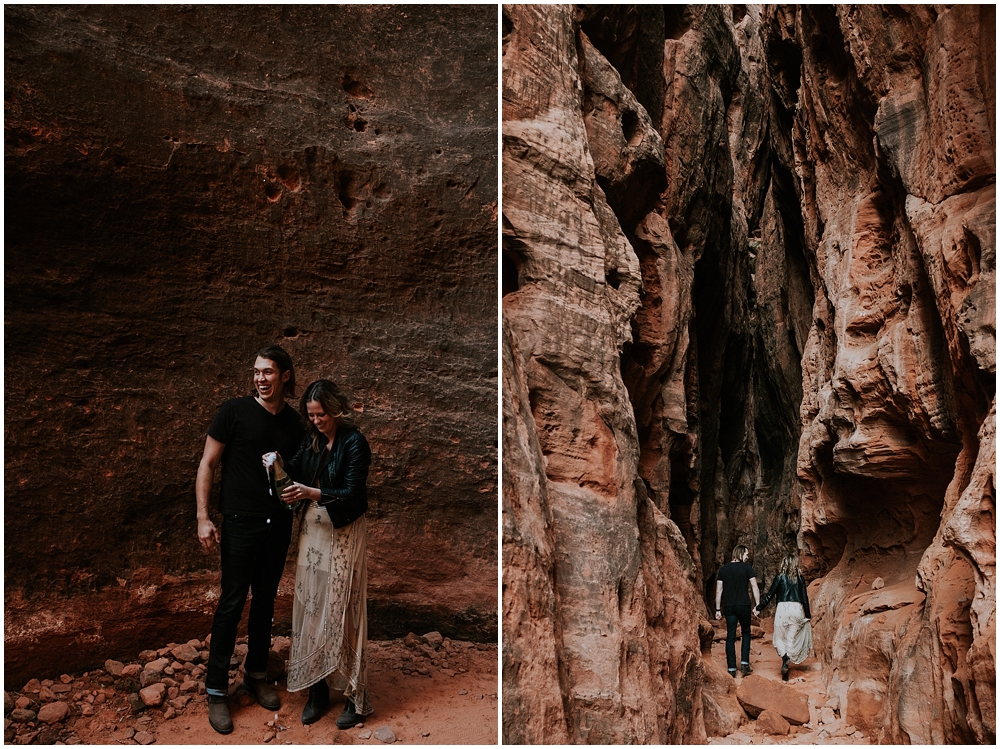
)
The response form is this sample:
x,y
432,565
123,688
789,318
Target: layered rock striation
x,y
749,297
185,185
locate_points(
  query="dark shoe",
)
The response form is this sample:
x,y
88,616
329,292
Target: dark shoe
x,y
745,669
260,691
218,714
784,668
732,672
318,702
349,717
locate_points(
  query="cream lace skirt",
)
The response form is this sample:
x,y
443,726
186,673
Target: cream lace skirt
x,y
792,632
330,611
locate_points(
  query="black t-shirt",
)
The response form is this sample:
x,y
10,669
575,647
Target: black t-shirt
x,y
735,577
248,430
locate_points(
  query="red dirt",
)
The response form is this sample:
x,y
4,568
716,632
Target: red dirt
x,y
419,710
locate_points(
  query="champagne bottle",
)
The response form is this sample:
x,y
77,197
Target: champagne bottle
x,y
281,480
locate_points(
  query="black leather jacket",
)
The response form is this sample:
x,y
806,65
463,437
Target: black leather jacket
x,y
342,473
785,590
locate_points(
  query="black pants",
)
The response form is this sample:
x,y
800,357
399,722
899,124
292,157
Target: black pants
x,y
735,614
253,557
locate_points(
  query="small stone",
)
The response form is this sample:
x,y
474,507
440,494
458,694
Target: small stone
x,y
423,671
22,702
135,703
878,583
147,655
170,713
434,639
132,669
449,672
54,712
425,734
144,738
49,736
128,733
411,640
268,737
62,688
47,682
8,702
858,734
22,715
26,738
172,692
463,691
185,652
366,734
827,716
189,686
86,710
385,734
153,695
66,679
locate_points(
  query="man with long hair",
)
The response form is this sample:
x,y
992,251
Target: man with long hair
x,y
733,601
256,526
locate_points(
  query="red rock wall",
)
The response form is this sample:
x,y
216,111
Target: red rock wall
x,y
186,185
894,128
749,283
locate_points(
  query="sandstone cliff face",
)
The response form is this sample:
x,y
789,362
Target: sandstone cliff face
x,y
186,185
749,259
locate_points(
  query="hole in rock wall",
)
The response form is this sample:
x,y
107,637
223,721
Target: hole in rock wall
x,y
631,128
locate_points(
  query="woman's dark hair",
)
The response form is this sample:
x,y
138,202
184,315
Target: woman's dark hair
x,y
280,357
334,402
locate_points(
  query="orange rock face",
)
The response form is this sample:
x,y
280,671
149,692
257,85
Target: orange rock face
x,y
785,337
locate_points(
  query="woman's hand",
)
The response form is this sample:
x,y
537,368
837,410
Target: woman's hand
x,y
297,492
718,614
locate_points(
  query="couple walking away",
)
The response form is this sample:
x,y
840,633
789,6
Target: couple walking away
x,y
792,636
327,460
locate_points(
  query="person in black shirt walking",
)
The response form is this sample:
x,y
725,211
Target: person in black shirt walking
x,y
733,601
256,526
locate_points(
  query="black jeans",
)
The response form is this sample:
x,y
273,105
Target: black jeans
x,y
253,557
735,614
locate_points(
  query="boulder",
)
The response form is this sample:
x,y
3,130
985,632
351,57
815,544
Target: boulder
x,y
771,723
757,694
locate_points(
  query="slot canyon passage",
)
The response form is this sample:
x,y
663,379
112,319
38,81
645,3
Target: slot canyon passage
x,y
185,185
748,297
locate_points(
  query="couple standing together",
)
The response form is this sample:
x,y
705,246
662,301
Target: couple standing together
x,y
792,636
327,458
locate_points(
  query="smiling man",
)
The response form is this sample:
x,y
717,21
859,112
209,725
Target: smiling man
x,y
256,527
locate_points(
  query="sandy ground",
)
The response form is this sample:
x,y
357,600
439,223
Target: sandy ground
x,y
435,709
806,677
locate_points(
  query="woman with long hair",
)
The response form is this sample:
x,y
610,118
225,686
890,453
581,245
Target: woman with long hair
x,y
330,613
792,636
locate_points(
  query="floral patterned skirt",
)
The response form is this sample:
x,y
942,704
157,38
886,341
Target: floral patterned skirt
x,y
330,611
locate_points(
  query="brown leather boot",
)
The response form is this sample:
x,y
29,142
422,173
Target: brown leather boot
x,y
218,714
260,691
